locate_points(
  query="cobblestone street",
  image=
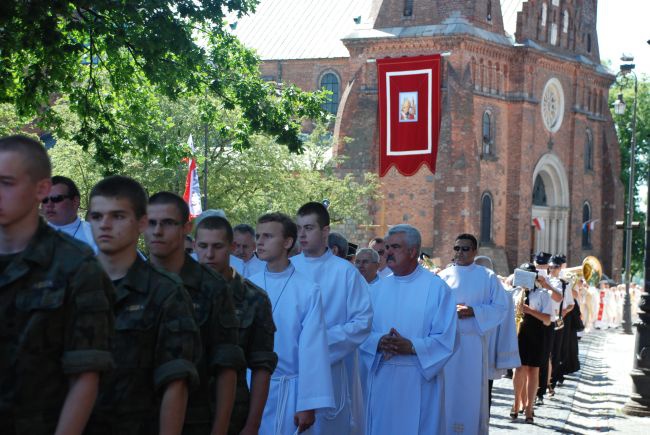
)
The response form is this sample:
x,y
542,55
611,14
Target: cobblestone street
x,y
589,401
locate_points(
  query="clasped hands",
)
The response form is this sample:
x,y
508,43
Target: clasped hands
x,y
393,344
464,311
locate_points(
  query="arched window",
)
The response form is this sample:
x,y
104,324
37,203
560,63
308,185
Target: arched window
x,y
539,192
589,152
486,219
487,134
586,231
408,8
588,42
330,82
489,10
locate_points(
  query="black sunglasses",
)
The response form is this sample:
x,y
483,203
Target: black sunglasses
x,y
462,248
56,199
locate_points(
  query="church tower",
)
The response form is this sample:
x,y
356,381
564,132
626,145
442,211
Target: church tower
x,y
567,26
485,14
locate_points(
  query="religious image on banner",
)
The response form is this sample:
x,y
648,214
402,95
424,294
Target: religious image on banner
x,y
408,101
409,113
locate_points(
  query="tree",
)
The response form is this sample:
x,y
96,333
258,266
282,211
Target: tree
x,y
642,166
117,62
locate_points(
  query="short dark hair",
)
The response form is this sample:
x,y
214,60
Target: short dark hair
x,y
289,228
338,240
73,191
173,199
34,155
376,240
215,223
469,237
118,186
322,215
244,229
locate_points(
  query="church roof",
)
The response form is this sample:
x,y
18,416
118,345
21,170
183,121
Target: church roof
x,y
313,29
301,29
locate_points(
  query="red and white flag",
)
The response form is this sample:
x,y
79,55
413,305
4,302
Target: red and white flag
x,y
192,195
539,223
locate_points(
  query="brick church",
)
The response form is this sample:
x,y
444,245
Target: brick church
x,y
526,133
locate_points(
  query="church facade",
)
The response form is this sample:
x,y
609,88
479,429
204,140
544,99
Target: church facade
x,y
528,157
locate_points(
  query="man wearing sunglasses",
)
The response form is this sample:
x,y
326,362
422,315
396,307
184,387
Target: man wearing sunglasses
x,y
61,208
379,246
481,306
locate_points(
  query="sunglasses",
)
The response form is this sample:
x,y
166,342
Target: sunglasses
x,y
462,248
56,199
381,252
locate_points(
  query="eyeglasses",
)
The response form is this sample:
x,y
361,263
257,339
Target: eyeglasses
x,y
462,248
56,199
164,223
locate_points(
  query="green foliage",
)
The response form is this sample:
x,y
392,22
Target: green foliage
x,y
244,182
118,63
642,165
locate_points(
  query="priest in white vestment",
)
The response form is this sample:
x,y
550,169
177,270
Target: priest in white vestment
x,y
348,316
413,335
301,383
481,305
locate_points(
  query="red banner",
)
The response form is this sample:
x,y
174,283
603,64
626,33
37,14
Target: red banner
x,y
409,113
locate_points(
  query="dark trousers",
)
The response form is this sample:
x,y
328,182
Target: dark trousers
x,y
543,370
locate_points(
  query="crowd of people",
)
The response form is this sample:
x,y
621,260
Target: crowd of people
x,y
275,329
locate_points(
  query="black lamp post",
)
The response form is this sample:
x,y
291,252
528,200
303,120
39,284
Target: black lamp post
x,y
639,401
619,109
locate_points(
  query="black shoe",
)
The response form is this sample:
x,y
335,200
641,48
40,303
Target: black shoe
x,y
539,401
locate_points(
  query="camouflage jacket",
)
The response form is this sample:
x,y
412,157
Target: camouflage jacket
x,y
55,321
156,342
215,316
256,333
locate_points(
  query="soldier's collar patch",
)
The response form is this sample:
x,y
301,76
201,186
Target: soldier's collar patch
x,y
134,308
43,284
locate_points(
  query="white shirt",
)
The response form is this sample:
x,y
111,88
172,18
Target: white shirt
x,y
78,229
249,268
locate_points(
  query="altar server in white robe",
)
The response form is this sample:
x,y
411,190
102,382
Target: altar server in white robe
x,y
413,335
503,348
348,316
301,383
481,305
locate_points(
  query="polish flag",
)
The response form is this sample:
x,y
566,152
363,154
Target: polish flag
x,y
192,195
539,223
589,225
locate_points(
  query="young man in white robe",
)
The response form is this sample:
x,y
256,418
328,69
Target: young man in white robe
x,y
379,246
301,383
413,335
503,347
348,316
481,304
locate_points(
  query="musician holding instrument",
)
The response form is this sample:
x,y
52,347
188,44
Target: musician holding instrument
x,y
533,311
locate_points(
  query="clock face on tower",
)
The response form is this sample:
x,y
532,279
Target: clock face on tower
x,y
553,105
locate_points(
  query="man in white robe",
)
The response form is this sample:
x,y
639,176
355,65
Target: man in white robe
x,y
348,316
481,305
413,335
379,246
244,249
301,383
503,347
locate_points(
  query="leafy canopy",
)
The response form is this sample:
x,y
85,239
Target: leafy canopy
x,y
116,61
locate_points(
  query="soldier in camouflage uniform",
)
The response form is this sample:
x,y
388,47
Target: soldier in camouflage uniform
x,y
55,316
213,244
157,343
222,358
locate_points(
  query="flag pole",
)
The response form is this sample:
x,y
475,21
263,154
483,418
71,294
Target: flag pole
x,y
205,168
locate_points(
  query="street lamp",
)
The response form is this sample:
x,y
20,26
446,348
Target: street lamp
x,y
619,109
639,401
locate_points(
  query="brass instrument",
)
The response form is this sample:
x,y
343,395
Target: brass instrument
x,y
519,309
588,269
